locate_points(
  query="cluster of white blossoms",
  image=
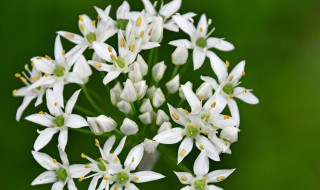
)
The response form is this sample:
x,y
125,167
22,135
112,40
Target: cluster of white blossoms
x,y
142,107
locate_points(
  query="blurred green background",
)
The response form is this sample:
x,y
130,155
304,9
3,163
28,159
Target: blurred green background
x,y
280,40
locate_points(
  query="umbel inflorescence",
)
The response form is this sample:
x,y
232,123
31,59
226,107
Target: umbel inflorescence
x,y
139,96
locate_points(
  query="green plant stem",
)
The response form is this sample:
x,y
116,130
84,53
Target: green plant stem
x,y
175,70
88,132
93,104
170,159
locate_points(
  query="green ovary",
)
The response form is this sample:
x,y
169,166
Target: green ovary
x,y
122,178
59,71
59,121
122,24
62,174
91,37
201,42
192,131
121,62
228,89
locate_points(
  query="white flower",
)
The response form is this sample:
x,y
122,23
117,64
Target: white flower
x,y
157,29
57,72
125,178
58,121
107,165
146,118
124,106
180,55
190,132
115,94
101,124
157,97
141,88
204,91
91,33
146,106
129,93
129,127
202,179
82,69
60,174
227,85
165,126
173,85
28,78
161,117
150,146
181,94
200,40
158,71
230,134
138,70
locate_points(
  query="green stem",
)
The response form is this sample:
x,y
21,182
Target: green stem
x,y
88,132
173,160
93,104
175,70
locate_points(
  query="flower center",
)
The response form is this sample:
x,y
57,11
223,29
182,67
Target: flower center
x,y
121,62
201,42
59,71
122,24
91,37
122,178
228,88
62,174
59,121
192,131
199,185
102,166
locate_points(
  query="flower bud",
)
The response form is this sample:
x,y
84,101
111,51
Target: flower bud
x,y
181,94
161,117
101,124
158,71
150,146
129,127
124,106
135,73
146,118
158,98
82,69
115,94
141,88
143,65
230,134
204,91
156,29
129,93
146,106
165,126
173,84
180,55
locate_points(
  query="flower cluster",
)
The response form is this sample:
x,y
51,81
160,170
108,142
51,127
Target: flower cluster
x,y
140,95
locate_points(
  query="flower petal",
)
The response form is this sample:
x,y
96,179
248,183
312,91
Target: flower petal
x,y
202,28
146,176
76,121
185,148
185,25
192,98
74,38
134,157
58,92
111,76
177,116
71,185
198,58
245,95
63,138
213,187
45,178
104,51
58,185
58,51
148,6
24,105
41,119
78,170
218,66
184,177
205,144
63,156
44,138
219,44
201,165
71,102
233,107
94,182
218,175
170,8
109,144
75,53
170,136
119,148
45,160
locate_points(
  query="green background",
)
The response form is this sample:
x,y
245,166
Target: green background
x,y
280,41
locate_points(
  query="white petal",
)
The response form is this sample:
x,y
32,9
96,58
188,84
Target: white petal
x,y
123,11
41,119
170,136
210,80
78,170
158,71
134,157
173,84
109,144
58,51
213,187
76,121
102,50
180,55
245,95
202,28
198,58
219,44
192,98
186,188
149,45
71,102
44,138
184,24
177,116
119,148
45,178
45,160
75,38
216,103
58,92
129,93
208,147
201,165
63,156
234,110
94,182
110,76
146,176
75,53
63,138
218,175
170,8
218,66
24,105
184,177
185,148
177,43
51,101
58,185
129,127
148,6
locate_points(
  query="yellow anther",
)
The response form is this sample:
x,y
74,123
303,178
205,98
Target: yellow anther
x,y
87,166
56,104
136,178
201,29
47,75
81,179
35,78
202,97
191,126
93,23
83,155
63,52
150,32
216,127
55,161
24,80
81,27
213,104
106,178
40,72
48,58
201,146
69,35
230,96
183,134
14,91
227,63
204,179
99,65
52,126
205,133
113,57
142,33
99,17
182,152
175,116
39,58
184,178
116,159
41,112
32,63
221,178
17,75
132,159
122,42
109,48
81,17
185,111
100,159
96,142
139,21
226,117
230,78
133,47
115,188
243,73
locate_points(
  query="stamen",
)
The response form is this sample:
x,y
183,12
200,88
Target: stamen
x,y
230,78
18,75
32,63
185,111
69,35
133,47
122,42
14,91
93,23
47,75
184,178
56,104
182,152
201,146
82,27
35,78
243,73
48,58
81,179
150,32
175,116
99,17
63,52
132,159
99,65
41,112
139,21
201,29
109,48
24,80
206,133
202,97
106,178
216,127
221,178
55,161
227,64
83,155
113,57
116,159
87,166
39,58
81,17
136,178
142,33
96,142
213,104
226,117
